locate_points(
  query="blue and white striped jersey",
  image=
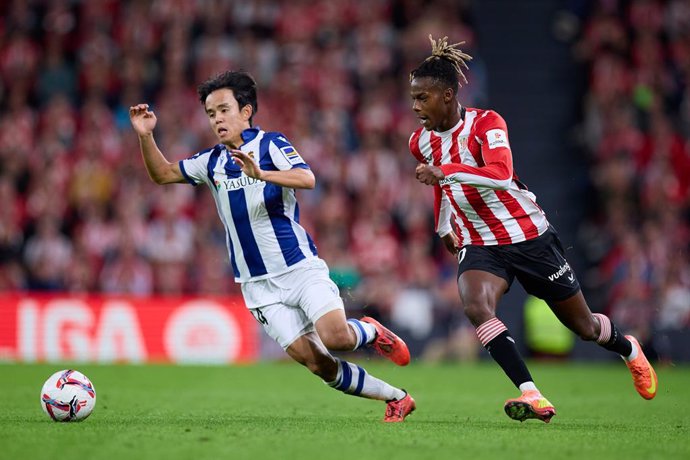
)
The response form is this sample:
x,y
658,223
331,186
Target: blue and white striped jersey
x,y
261,219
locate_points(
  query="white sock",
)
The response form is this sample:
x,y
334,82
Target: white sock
x,y
527,386
355,381
365,332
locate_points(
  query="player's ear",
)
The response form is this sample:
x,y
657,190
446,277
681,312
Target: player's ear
x,y
448,95
247,112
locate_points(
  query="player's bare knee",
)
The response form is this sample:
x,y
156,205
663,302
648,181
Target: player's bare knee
x,y
478,312
478,303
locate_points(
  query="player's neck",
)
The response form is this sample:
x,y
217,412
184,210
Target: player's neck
x,y
239,140
451,120
236,142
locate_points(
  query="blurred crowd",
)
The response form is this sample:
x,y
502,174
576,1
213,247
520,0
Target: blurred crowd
x,y
79,213
636,131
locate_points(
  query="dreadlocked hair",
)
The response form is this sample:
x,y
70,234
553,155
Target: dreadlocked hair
x,y
445,63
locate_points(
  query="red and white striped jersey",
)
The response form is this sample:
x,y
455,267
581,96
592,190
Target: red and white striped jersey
x,y
490,205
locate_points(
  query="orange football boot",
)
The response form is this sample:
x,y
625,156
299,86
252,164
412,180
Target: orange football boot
x,y
643,374
389,345
396,411
530,405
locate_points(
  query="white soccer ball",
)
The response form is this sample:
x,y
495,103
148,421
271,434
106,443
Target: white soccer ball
x,y
68,396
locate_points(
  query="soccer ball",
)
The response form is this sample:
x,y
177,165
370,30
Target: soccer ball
x,y
68,396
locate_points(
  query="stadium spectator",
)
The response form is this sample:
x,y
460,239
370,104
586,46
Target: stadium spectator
x,y
127,271
70,70
47,254
96,66
636,136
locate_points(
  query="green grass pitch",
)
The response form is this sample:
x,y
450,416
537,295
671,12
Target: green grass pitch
x,y
279,410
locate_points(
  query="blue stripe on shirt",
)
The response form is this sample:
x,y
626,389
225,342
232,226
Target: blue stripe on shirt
x,y
282,225
235,270
243,226
312,246
212,161
240,216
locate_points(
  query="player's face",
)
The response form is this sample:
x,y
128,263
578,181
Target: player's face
x,y
429,102
227,119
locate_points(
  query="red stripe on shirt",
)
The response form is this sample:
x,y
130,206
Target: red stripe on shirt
x,y
438,197
414,145
496,227
435,142
455,147
475,237
524,221
436,151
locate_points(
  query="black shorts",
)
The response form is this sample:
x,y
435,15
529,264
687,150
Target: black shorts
x,y
539,265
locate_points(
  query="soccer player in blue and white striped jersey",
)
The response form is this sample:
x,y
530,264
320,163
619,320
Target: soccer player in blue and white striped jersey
x,y
253,175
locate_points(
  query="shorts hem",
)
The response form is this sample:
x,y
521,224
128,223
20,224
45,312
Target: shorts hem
x,y
335,304
564,297
304,331
496,272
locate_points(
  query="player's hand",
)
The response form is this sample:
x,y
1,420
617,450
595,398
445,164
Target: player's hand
x,y
143,120
452,243
429,174
248,165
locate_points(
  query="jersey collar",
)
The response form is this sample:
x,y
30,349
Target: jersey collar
x,y
250,133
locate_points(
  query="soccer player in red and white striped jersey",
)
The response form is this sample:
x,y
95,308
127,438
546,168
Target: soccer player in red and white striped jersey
x,y
489,219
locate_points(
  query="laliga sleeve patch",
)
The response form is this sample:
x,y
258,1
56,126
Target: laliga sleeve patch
x,y
291,154
497,138
288,151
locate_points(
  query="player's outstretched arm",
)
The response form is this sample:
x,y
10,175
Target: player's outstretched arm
x,y
160,170
292,178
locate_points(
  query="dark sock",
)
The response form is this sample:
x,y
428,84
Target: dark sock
x,y
611,338
503,350
618,343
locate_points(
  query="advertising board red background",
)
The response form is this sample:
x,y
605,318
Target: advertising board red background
x,y
208,330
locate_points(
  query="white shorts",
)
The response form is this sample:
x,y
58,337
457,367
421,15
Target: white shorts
x,y
288,305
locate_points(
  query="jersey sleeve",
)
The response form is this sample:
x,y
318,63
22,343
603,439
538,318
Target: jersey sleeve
x,y
195,168
491,133
284,155
442,212
413,144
